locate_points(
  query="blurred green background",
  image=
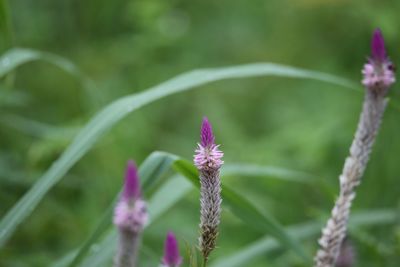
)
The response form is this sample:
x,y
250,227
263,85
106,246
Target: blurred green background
x,y
126,46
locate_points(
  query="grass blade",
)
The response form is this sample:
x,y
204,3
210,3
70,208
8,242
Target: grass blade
x,y
240,169
15,57
114,112
6,33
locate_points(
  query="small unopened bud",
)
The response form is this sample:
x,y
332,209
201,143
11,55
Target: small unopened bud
x,y
171,252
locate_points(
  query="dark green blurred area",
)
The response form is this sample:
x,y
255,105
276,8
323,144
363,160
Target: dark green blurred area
x,y
127,46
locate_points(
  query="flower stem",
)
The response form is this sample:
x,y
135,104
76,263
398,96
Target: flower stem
x,y
355,164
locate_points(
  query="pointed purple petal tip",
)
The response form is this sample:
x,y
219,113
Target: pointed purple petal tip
x,y
171,253
378,46
132,183
207,136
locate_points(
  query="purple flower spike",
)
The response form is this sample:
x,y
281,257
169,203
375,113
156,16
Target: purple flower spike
x,y
132,183
207,136
208,160
208,156
378,72
130,213
171,253
130,218
378,46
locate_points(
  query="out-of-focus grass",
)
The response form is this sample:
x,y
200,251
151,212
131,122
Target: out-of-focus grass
x,y
127,46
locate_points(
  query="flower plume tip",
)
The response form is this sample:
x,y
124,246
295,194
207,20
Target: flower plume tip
x,y
378,50
207,136
132,182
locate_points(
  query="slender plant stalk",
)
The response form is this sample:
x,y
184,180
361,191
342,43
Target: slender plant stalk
x,y
128,246
204,264
378,76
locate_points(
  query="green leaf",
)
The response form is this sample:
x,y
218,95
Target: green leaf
x,y
114,112
16,57
246,211
300,232
240,169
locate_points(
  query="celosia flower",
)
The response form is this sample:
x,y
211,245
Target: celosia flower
x,y
130,217
378,71
171,252
208,160
378,76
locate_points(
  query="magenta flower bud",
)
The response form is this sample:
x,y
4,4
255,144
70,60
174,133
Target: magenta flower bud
x,y
208,156
378,71
206,137
378,50
132,183
171,252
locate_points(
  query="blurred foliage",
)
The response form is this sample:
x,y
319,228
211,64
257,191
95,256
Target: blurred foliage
x,y
126,46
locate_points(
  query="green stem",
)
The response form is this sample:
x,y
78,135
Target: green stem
x,y
204,262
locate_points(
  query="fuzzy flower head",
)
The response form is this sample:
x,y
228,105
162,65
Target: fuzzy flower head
x,y
171,252
378,71
208,156
131,212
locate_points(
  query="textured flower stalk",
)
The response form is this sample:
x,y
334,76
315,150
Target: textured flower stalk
x,y
208,160
130,217
378,77
171,252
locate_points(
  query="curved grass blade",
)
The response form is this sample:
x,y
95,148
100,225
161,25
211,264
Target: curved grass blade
x,y
240,169
246,211
114,112
301,231
15,57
